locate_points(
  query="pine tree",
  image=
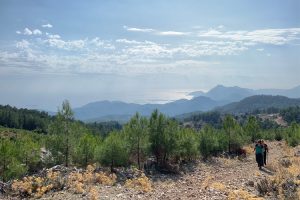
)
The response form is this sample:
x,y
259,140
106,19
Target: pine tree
x,y
137,137
252,128
229,125
61,130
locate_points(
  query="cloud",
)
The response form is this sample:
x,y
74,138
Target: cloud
x,y
66,45
55,36
265,36
103,44
23,44
36,32
47,25
18,32
126,41
172,33
103,56
157,32
138,29
249,38
27,31
95,55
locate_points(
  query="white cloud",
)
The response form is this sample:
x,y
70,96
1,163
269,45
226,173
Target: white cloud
x,y
22,44
103,44
249,38
55,36
47,25
265,36
152,50
138,29
27,31
150,30
18,32
66,45
210,33
36,32
97,42
104,56
137,56
172,33
126,41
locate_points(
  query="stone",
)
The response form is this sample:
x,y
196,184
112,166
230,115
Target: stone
x,y
250,183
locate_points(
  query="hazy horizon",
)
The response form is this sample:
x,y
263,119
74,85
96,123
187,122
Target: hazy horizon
x,y
143,51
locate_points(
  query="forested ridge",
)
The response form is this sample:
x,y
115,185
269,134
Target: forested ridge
x,y
23,118
39,121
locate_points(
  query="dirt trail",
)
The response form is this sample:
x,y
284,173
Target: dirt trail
x,y
220,178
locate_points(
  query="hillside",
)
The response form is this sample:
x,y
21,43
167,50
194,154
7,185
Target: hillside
x,y
195,164
217,179
259,102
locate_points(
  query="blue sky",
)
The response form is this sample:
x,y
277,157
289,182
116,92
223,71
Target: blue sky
x,y
143,51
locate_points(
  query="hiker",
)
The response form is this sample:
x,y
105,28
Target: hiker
x,y
259,154
265,151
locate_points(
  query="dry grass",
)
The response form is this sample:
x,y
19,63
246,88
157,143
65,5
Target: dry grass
x,y
105,179
93,193
76,182
248,149
218,186
228,162
242,195
207,181
31,186
142,183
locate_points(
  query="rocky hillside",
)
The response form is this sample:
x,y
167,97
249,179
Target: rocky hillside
x,y
218,178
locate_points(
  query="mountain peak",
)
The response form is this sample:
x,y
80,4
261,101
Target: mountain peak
x,y
218,87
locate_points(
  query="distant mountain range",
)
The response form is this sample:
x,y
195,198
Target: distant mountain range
x,y
116,110
258,102
225,99
233,94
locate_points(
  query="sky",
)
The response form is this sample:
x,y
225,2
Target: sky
x,y
143,51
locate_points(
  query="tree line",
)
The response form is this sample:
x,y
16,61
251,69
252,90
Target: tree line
x,y
162,139
23,118
38,121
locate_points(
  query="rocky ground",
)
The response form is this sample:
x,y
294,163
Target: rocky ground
x,y
219,178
